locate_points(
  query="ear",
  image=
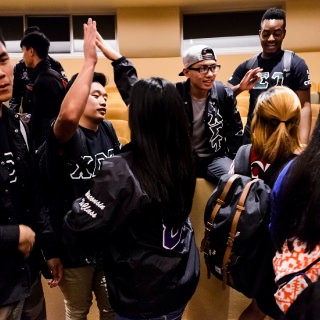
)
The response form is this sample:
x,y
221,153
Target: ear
x,y
186,72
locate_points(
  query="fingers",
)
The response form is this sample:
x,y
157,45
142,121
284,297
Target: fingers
x,y
89,45
250,79
56,269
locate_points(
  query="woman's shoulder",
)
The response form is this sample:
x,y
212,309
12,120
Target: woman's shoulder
x,y
281,176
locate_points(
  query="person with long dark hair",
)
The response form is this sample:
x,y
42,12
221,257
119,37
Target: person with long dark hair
x,y
138,210
295,212
295,223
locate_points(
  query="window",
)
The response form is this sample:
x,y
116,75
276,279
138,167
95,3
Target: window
x,y
64,32
226,32
57,29
106,25
12,30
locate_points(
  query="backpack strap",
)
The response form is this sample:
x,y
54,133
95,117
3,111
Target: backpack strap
x,y
233,231
241,161
209,225
252,61
286,60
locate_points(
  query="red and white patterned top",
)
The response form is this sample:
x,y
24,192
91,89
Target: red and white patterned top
x,y
289,262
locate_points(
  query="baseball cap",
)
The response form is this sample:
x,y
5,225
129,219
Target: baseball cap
x,y
195,54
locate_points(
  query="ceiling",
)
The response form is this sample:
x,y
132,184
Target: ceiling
x,y
104,6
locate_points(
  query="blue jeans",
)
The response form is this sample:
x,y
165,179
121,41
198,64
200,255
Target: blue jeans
x,y
174,315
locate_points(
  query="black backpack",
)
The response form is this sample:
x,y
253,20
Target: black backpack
x,y
236,242
236,220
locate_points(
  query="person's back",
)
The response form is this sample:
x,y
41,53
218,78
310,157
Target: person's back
x,y
138,207
268,69
21,100
47,86
275,140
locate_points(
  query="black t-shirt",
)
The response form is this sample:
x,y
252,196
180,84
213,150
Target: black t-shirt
x,y
273,75
71,174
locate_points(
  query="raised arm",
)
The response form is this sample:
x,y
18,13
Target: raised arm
x,y
75,100
125,74
106,49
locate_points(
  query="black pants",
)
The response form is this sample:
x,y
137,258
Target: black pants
x,y
212,169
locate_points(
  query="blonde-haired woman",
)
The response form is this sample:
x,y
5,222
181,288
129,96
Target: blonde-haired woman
x,y
274,128
275,141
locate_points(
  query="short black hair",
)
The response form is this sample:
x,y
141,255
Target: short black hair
x,y
275,13
97,77
38,41
31,29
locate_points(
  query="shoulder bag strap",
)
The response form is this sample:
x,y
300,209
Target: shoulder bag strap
x,y
284,280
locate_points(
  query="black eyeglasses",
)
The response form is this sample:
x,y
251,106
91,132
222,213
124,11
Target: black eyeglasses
x,y
214,68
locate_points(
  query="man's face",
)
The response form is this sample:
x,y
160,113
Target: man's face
x,y
6,75
201,81
271,36
96,106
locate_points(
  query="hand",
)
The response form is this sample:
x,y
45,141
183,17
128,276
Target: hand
x,y
89,43
106,49
250,79
56,269
26,240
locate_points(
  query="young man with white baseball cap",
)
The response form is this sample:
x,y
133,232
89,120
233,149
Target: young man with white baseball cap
x,y
215,122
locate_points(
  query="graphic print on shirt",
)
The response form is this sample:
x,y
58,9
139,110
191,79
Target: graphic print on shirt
x,y
90,165
170,237
215,124
25,75
263,84
258,167
308,82
9,163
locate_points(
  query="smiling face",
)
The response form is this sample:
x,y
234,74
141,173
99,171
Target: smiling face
x,y
96,106
200,83
271,36
6,75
